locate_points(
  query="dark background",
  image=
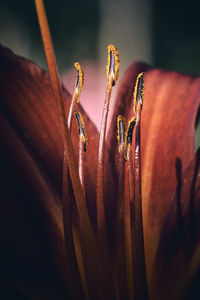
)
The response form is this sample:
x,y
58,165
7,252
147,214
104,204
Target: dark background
x,y
73,25
75,29
176,30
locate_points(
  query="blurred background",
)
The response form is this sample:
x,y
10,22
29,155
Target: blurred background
x,y
165,34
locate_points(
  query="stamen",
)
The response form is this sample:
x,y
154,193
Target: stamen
x,y
113,64
139,265
77,91
75,229
120,276
138,91
101,216
82,147
66,179
112,74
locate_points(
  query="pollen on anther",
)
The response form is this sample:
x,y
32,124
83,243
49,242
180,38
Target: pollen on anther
x,y
113,64
121,132
138,91
81,128
129,135
79,80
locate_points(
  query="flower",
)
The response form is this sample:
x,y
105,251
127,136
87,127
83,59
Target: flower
x,y
46,253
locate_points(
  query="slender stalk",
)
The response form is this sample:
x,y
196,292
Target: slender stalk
x,y
120,269
76,231
100,167
68,228
90,273
81,165
121,136
71,110
72,268
82,149
119,263
112,75
74,228
128,223
139,266
79,257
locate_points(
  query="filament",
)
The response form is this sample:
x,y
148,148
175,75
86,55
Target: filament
x,y
139,265
129,203
112,74
82,148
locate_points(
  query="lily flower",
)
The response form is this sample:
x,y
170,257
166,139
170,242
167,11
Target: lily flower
x,y
85,216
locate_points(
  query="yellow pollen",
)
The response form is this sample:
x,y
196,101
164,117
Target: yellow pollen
x,y
121,132
128,135
81,128
138,91
79,80
113,64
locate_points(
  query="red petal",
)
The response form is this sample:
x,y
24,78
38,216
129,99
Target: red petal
x,y
178,261
171,102
31,154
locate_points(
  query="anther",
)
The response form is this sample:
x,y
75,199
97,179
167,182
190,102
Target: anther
x,y
113,65
129,135
77,91
138,91
121,132
79,80
81,129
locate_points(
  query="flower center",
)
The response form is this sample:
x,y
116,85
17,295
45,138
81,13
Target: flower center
x,y
104,277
